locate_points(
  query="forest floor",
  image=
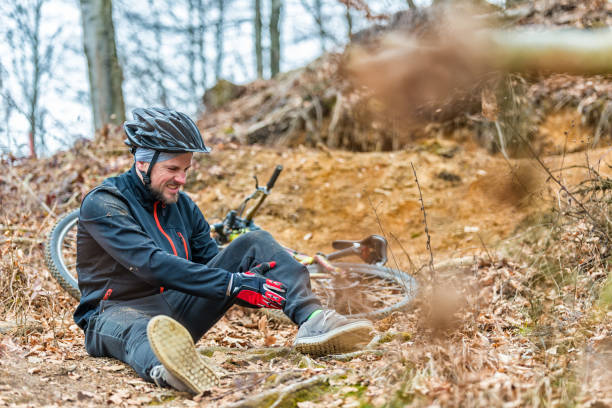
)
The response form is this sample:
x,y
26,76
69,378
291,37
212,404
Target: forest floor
x,y
517,319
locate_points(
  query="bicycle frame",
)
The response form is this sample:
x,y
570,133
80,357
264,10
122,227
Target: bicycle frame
x,y
372,250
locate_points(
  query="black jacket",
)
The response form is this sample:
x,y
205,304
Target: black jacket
x,y
130,246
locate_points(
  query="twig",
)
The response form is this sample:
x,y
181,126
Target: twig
x,y
486,249
561,185
412,265
502,143
245,386
280,392
352,355
296,370
11,228
21,240
26,185
382,231
296,387
431,259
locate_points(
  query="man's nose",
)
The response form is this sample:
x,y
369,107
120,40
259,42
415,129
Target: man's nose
x,y
180,179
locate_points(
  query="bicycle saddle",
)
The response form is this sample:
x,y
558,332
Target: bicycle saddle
x,y
372,250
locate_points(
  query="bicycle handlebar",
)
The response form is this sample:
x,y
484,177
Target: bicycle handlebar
x,y
272,180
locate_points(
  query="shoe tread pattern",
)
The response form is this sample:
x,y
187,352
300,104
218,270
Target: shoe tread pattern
x,y
174,347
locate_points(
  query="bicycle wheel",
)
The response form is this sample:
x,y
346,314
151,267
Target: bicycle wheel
x,y
60,253
363,290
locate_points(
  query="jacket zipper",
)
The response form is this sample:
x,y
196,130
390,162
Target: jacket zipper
x,y
161,288
161,229
184,245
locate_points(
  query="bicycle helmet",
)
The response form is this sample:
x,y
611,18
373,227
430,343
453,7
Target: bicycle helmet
x,y
162,130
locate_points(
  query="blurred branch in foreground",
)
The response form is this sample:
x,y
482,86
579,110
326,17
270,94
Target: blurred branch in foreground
x,y
571,51
410,74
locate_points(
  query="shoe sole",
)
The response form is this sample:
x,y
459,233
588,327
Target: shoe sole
x,y
174,347
341,340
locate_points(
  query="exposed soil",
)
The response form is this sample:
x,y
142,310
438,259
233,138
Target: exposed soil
x,y
473,202
516,314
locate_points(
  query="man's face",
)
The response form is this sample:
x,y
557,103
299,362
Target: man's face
x,y
168,177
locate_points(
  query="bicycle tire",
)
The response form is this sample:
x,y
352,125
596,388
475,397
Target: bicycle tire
x,y
54,257
68,281
405,282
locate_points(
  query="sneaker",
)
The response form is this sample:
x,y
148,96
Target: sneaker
x,y
182,364
164,378
329,332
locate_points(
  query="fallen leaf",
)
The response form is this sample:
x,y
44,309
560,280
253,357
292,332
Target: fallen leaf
x,y
113,368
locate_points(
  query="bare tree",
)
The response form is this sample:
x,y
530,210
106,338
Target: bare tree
x,y
31,63
105,75
275,47
257,24
349,23
196,31
316,11
219,39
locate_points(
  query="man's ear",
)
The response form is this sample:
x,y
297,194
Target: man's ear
x,y
142,166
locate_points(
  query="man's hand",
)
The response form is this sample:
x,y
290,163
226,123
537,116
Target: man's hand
x,y
257,290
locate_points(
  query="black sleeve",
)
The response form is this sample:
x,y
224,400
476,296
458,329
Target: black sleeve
x,y
203,247
107,218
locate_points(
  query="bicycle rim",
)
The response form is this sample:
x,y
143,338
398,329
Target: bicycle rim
x,y
60,253
364,290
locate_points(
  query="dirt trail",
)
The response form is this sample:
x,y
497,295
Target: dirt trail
x,y
472,199
473,202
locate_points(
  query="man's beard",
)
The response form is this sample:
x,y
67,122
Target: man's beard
x,y
159,196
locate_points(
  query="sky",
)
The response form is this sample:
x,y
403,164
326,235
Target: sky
x,y
65,94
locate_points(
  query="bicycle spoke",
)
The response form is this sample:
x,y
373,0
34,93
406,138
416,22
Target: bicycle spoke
x,y
362,290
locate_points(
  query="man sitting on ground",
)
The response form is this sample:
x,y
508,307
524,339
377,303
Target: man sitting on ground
x,y
153,281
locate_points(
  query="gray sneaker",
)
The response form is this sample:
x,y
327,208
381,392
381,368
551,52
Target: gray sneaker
x,y
329,332
164,378
182,364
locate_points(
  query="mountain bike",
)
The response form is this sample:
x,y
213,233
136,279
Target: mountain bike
x,y
357,289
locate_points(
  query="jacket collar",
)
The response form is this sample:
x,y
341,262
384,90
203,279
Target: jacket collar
x,y
143,195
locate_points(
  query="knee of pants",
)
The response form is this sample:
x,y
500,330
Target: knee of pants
x,y
254,237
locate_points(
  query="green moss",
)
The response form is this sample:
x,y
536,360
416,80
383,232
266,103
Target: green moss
x,y
307,362
526,330
400,399
359,392
308,394
163,399
401,336
268,354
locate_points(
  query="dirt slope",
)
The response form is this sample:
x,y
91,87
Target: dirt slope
x,y
473,202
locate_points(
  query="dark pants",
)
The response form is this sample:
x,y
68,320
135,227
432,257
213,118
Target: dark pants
x,y
119,328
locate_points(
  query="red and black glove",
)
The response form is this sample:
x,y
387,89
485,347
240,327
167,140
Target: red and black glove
x,y
256,290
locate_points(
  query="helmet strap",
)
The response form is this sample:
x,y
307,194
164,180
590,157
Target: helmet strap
x,y
146,178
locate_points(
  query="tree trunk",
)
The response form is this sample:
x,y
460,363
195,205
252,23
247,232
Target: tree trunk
x,y
158,58
318,11
201,36
258,47
191,34
219,40
105,76
275,37
349,23
33,111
